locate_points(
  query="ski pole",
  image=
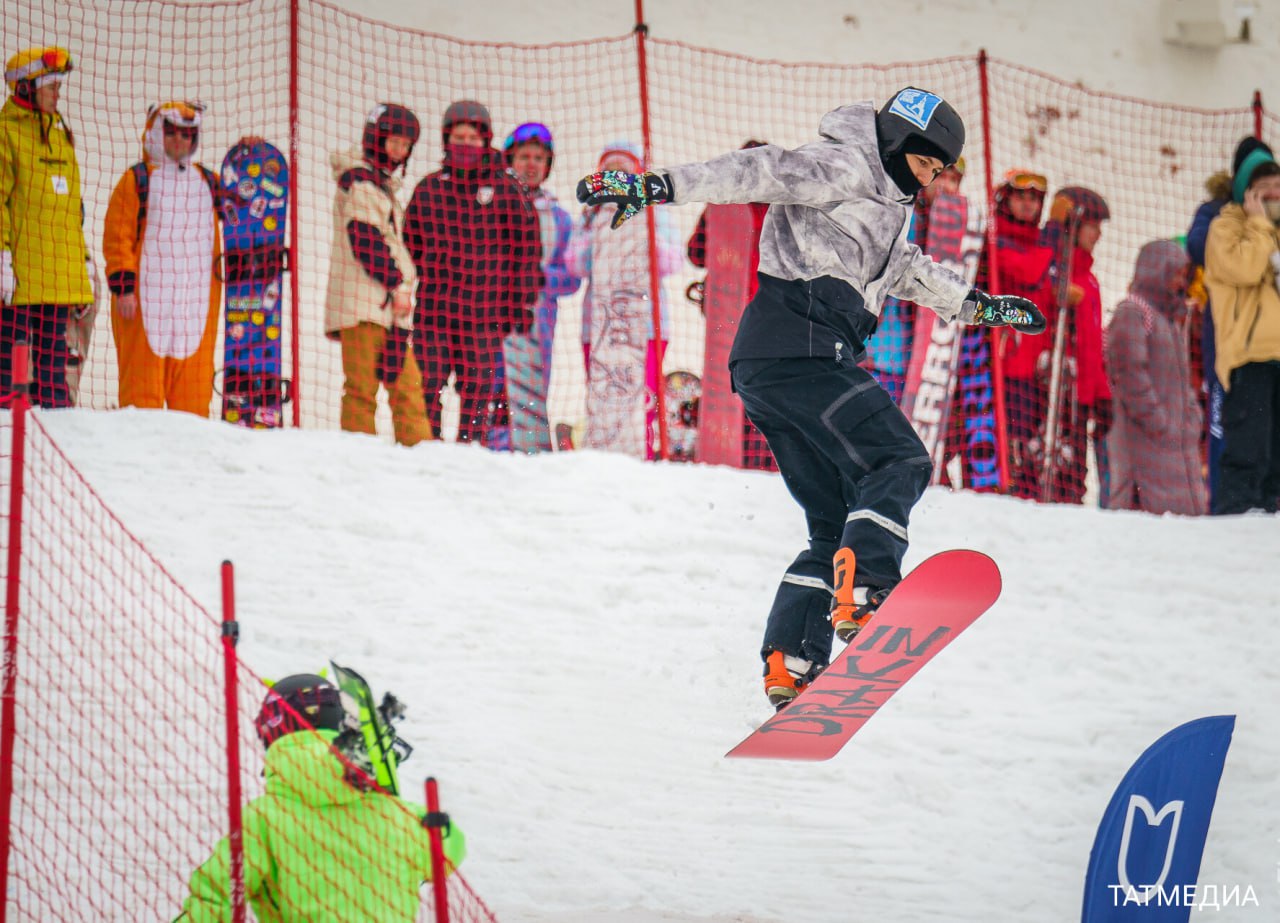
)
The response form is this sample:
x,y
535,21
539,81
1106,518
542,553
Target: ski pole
x,y
1053,415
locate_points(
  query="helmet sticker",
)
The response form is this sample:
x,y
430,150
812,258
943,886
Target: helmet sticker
x,y
916,106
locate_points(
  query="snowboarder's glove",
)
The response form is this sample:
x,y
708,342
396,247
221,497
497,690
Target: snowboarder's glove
x,y
630,191
1002,311
391,360
8,282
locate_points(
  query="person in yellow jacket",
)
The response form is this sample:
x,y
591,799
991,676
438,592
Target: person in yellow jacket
x,y
161,246
320,843
45,268
369,300
1242,271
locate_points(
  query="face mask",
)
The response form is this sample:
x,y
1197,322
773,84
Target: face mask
x,y
464,156
1273,210
901,174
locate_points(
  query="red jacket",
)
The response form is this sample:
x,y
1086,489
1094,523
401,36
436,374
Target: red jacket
x,y
475,239
1024,270
1091,376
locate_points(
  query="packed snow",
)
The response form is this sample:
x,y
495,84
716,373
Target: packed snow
x,y
576,636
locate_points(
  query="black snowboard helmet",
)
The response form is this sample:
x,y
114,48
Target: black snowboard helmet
x,y
300,702
471,112
385,120
916,121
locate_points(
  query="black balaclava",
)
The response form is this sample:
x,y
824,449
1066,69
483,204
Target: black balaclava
x,y
900,172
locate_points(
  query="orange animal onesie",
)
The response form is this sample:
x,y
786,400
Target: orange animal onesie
x,y
164,250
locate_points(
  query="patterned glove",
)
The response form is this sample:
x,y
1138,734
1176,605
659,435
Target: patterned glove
x,y
1002,311
630,191
8,282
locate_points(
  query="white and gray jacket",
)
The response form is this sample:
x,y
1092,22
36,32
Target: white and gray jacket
x,y
837,222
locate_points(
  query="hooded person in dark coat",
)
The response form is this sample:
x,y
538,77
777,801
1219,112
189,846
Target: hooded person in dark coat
x,y
1154,442
833,247
473,232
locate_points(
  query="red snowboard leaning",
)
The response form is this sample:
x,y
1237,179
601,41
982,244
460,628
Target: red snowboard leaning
x,y
924,613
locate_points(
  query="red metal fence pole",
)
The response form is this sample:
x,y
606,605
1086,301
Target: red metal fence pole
x,y
434,821
1257,114
295,147
655,278
230,635
13,584
993,276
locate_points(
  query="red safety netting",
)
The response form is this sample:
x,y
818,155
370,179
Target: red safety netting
x,y
505,283
119,773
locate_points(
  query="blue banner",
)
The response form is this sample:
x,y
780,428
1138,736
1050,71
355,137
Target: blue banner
x,y
1146,856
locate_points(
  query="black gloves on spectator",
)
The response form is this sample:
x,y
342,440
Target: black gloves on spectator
x,y
631,192
391,360
1002,311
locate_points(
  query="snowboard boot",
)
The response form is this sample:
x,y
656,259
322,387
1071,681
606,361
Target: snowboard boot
x,y
848,618
851,606
784,677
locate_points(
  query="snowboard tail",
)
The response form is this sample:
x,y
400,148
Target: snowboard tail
x,y
924,613
384,749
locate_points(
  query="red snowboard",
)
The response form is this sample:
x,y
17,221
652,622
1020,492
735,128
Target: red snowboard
x,y
933,604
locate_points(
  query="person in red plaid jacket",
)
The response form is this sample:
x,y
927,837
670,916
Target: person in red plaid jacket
x,y
473,233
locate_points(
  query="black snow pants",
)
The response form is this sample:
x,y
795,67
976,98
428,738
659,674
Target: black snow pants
x,y
1249,470
854,463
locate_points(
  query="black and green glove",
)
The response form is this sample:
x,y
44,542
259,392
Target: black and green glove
x,y
631,192
1002,311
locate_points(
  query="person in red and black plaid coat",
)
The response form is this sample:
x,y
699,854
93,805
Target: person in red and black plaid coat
x,y
473,233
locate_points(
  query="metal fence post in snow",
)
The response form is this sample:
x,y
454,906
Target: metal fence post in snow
x,y
9,684
655,280
435,822
993,274
295,157
230,635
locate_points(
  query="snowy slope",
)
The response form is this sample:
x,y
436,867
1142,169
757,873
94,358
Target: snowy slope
x,y
576,638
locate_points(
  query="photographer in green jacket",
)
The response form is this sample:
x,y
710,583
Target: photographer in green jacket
x,y
321,843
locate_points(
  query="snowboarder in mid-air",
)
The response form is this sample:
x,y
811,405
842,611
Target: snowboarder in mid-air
x,y
833,247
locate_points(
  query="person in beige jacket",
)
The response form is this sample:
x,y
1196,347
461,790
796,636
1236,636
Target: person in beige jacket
x,y
369,300
1242,271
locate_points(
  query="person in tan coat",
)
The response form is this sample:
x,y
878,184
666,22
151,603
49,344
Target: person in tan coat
x,y
161,244
369,301
1242,271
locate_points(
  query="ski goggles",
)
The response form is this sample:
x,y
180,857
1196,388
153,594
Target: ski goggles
x,y
1022,179
56,59
529,131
